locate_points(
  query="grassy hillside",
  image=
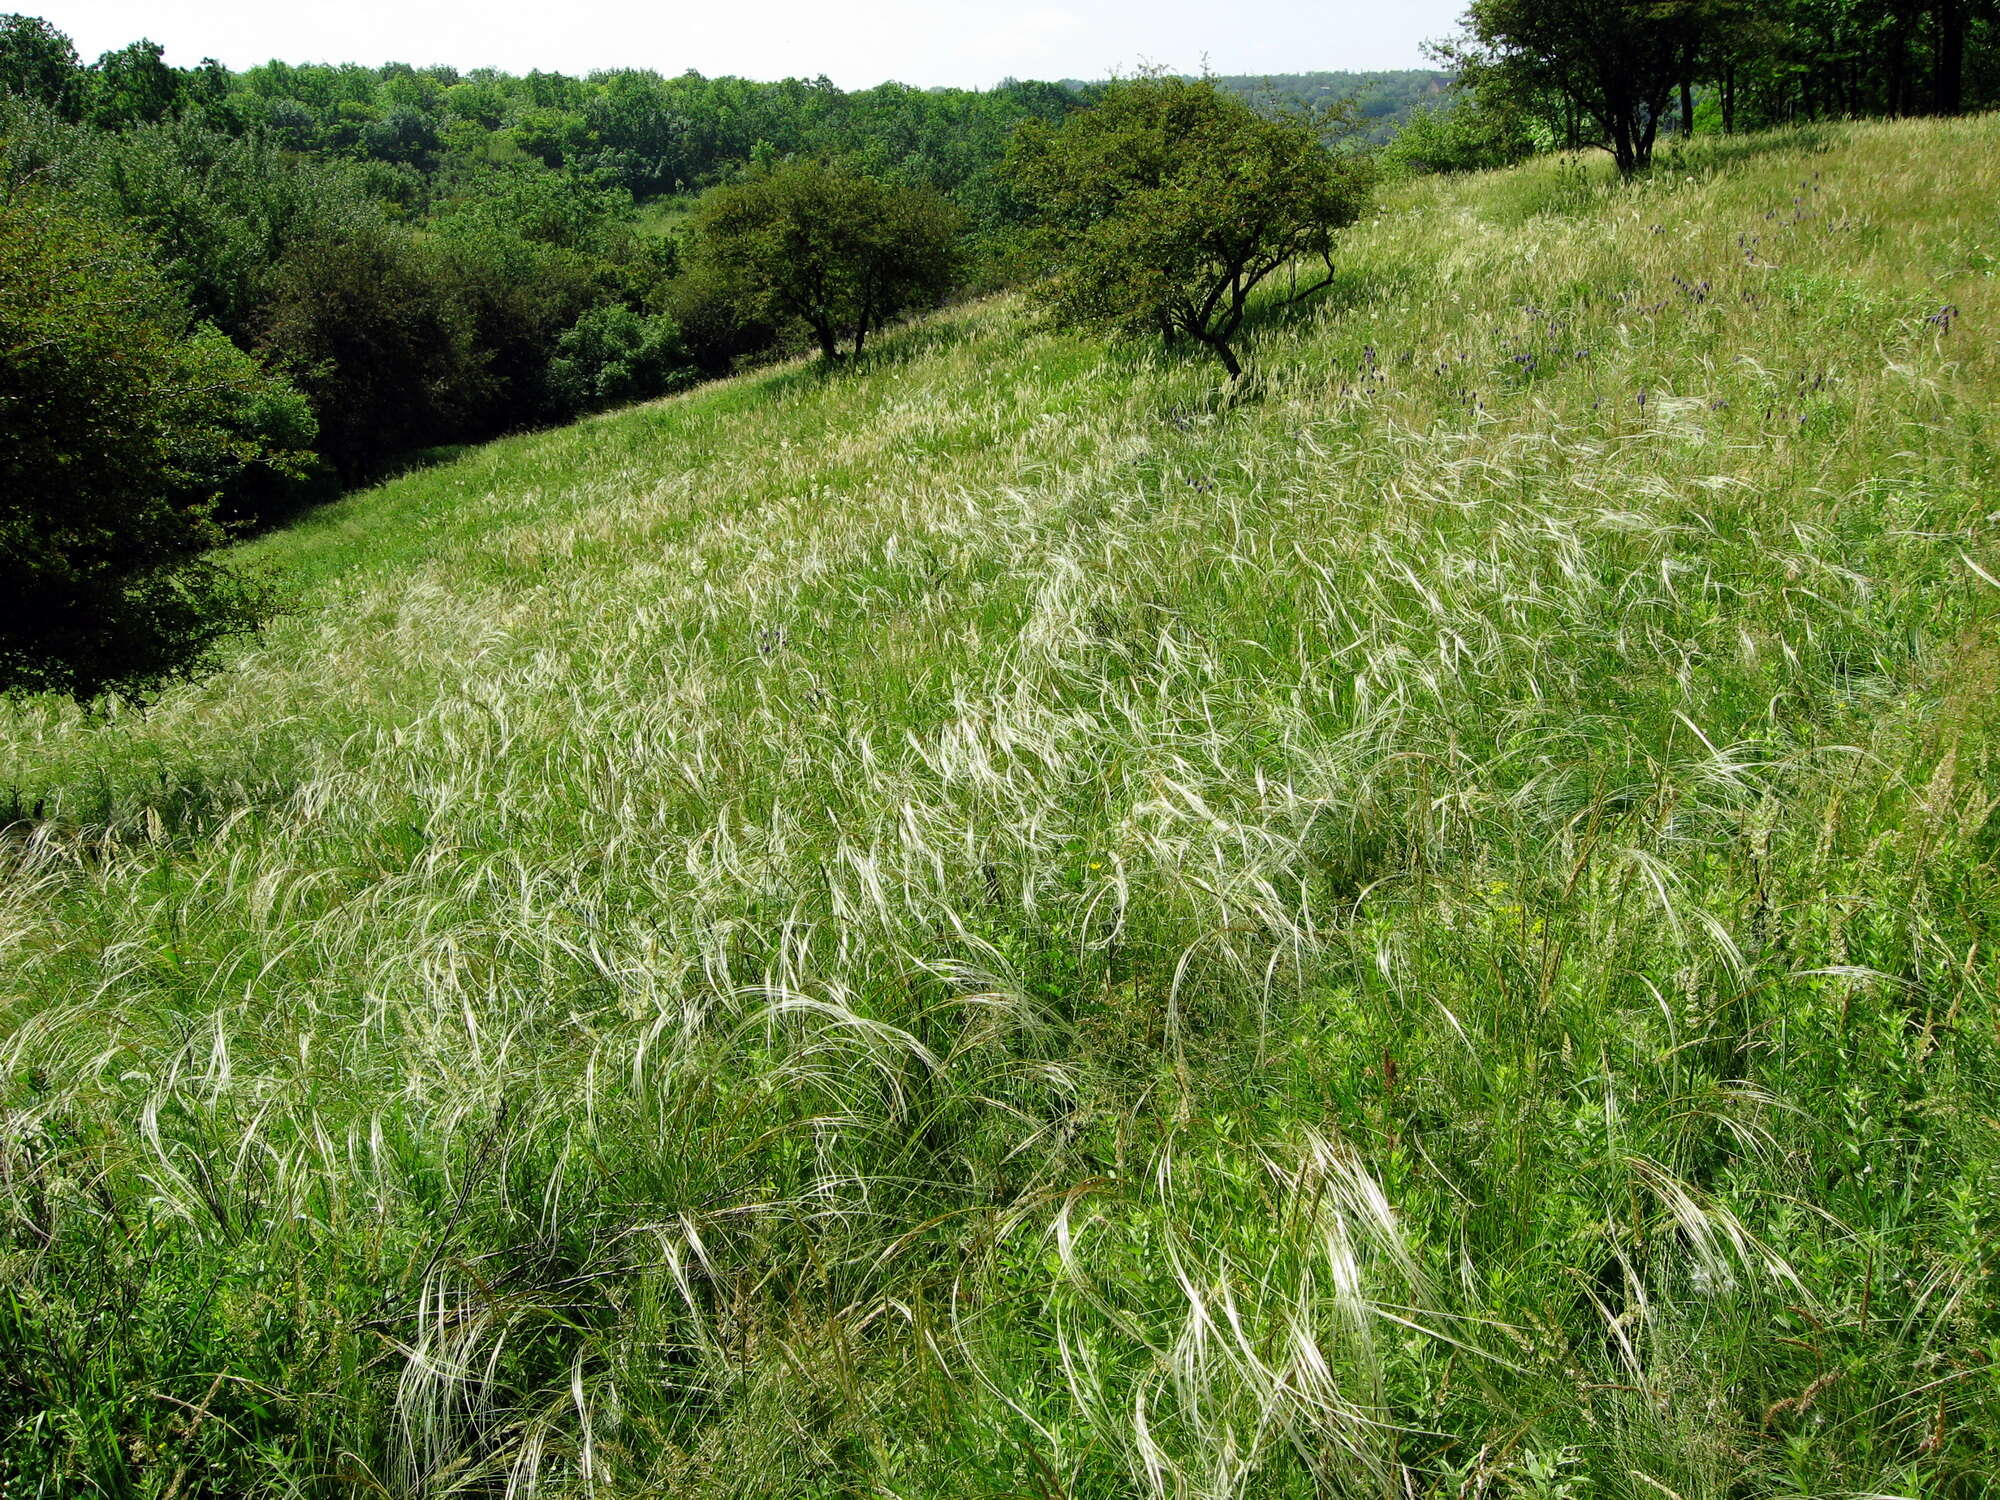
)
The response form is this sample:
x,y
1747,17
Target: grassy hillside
x,y
992,926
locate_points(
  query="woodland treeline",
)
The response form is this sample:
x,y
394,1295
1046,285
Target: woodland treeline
x,y
430,257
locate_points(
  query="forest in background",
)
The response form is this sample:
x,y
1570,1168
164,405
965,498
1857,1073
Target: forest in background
x,y
431,257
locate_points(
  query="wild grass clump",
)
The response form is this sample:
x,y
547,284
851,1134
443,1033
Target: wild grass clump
x,y
994,928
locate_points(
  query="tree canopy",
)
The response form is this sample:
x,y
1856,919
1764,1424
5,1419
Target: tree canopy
x,y
37,62
1614,64
1159,210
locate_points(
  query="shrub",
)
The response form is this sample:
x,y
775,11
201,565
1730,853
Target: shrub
x,y
119,432
1468,135
516,298
388,355
612,356
716,330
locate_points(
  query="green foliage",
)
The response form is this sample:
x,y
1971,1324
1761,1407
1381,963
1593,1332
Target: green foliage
x,y
133,86
1610,74
717,329
1470,134
1381,103
37,62
1163,206
837,253
119,434
221,211
612,356
1610,65
372,330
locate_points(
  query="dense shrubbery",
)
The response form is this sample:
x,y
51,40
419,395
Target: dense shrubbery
x,y
1468,134
403,334
122,429
612,355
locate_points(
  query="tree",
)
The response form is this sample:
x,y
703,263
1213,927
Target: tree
x,y
810,243
38,62
120,428
134,86
404,135
1162,207
1616,63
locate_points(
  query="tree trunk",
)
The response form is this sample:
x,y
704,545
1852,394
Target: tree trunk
x,y
1219,347
1621,147
1950,91
865,320
1687,107
1729,99
829,349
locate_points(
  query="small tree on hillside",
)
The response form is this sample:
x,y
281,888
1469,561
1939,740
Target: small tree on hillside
x,y
1161,208
809,242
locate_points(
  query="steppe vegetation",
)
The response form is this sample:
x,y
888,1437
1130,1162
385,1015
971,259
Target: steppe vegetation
x,y
995,925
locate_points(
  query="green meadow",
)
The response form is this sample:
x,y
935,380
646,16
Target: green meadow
x,y
998,924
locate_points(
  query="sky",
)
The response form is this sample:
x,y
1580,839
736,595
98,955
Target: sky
x,y
856,43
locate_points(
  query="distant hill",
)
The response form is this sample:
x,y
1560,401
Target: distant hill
x,y
1385,100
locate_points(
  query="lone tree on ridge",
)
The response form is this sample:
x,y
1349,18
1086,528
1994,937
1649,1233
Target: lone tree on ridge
x,y
1161,208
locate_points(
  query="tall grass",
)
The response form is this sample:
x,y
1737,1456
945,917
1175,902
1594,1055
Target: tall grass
x,y
999,926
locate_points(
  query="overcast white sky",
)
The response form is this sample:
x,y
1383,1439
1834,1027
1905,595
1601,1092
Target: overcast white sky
x,y
970,43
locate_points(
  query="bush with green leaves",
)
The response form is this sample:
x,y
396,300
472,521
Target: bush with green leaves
x,y
612,356
120,431
813,245
1160,208
1469,134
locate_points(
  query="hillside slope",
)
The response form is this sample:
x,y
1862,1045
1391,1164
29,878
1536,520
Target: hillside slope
x,y
993,926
